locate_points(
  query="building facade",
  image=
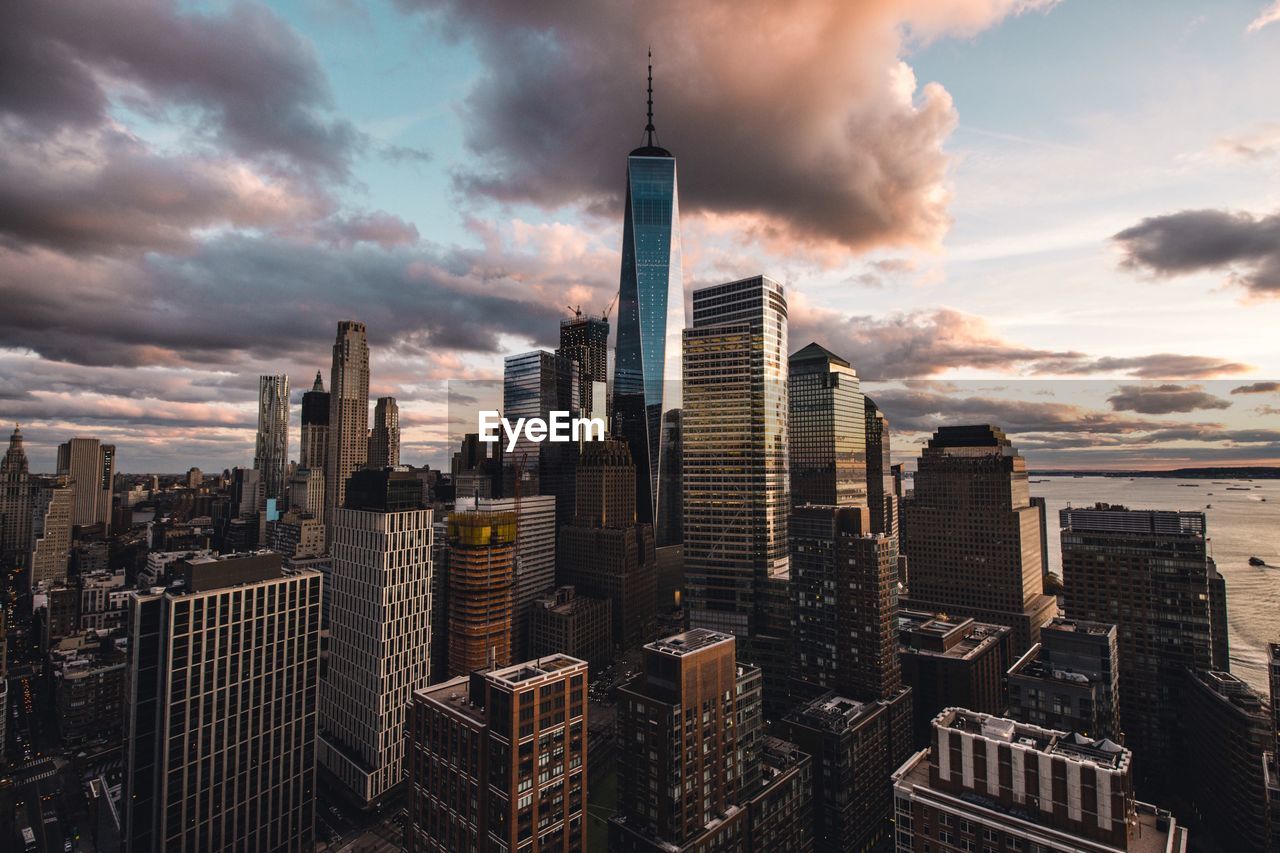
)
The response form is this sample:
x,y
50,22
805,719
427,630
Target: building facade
x,y
564,621
348,430
384,438
482,556
827,439
535,558
1070,680
535,384
271,454
90,467
53,509
584,340
15,504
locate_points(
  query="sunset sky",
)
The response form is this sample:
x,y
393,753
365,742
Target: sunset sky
x,y
1062,217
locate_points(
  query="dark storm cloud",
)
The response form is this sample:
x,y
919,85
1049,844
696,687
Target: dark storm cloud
x,y
924,411
1244,246
805,121
1257,388
1164,365
257,86
1164,399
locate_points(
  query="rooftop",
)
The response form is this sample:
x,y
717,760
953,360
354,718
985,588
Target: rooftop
x,y
940,635
693,640
1100,752
833,713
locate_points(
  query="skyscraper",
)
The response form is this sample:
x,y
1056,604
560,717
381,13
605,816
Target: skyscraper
x,y
15,504
53,506
1070,680
1149,573
90,466
384,438
482,548
881,493
271,457
828,442
535,557
221,747
646,370
584,340
972,537
736,486
498,760
535,384
348,437
379,629
314,449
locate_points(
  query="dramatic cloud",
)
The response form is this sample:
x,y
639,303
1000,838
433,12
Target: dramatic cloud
x,y
1164,399
1164,365
1244,246
1257,388
806,121
1269,15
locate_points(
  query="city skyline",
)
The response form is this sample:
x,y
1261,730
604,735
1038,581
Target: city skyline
x,y
979,263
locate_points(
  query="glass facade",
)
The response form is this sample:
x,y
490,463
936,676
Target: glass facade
x,y
650,320
828,450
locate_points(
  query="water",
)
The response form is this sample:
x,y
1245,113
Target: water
x,y
1240,525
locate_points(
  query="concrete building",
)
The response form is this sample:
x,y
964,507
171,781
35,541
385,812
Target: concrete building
x,y
15,504
1149,573
271,453
347,447
379,630
1070,680
384,438
104,600
576,625
313,448
482,554
90,467
988,783
972,537
535,557
216,760
306,491
90,672
498,760
948,662
53,509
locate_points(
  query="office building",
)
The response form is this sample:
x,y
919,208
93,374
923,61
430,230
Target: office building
x,y
882,496
1149,573
535,384
271,455
646,369
696,770
988,783
348,431
498,760
584,340
314,446
15,504
605,553
535,557
564,621
1229,734
1271,762
948,661
90,467
379,630
827,442
482,556
296,534
972,537
1070,680
90,674
306,491
384,438
736,486
53,508
195,478
221,747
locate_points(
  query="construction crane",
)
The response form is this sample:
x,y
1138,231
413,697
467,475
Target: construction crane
x,y
604,315
577,312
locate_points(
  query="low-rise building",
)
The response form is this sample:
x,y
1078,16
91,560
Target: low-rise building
x,y
567,623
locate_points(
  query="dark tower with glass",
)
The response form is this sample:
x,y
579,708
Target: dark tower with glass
x,y
646,377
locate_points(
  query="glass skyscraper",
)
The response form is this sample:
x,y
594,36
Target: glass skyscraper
x,y
646,378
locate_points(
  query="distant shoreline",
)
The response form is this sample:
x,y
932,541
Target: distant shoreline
x,y
1238,473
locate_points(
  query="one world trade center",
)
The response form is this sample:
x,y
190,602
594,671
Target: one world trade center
x,y
646,378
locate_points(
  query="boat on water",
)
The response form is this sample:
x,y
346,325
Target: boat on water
x,y
1239,489
1188,485
1257,561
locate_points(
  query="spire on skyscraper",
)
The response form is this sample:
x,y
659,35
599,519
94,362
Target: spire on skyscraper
x,y
649,128
318,385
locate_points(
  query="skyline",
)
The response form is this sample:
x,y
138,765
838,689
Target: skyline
x,y
166,238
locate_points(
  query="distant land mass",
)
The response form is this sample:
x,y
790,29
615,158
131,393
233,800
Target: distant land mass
x,y
1255,472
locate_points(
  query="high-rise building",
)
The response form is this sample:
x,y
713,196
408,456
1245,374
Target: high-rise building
x,y
1149,573
844,584
498,760
482,556
271,456
827,441
535,384
1229,735
694,772
584,340
384,438
53,507
306,491
15,504
314,447
1271,763
646,370
563,621
882,496
605,553
195,478
972,536
221,747
951,662
988,783
736,485
90,467
379,629
348,433
1070,680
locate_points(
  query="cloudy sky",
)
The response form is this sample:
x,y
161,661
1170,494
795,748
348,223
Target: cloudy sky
x,y
1060,216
